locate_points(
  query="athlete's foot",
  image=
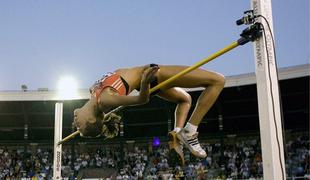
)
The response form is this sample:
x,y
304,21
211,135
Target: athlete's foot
x,y
175,146
191,142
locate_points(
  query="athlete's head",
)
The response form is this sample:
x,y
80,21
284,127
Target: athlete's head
x,y
92,123
88,121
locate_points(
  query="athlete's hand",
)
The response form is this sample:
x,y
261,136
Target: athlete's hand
x,y
149,75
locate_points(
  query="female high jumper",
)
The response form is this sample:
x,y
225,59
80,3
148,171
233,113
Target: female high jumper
x,y
112,90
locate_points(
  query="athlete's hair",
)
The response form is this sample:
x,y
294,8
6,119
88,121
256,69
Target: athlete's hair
x,y
110,125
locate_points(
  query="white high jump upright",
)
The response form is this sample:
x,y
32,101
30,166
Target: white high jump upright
x,y
268,98
57,138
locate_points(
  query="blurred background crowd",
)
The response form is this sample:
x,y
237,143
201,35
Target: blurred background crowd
x,y
236,158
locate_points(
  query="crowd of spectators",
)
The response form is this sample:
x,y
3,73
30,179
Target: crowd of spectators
x,y
234,159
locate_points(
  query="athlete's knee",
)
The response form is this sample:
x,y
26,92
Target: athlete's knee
x,y
215,79
185,98
220,80
188,98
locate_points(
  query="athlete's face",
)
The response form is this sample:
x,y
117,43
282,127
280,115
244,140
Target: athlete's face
x,y
87,123
78,119
81,117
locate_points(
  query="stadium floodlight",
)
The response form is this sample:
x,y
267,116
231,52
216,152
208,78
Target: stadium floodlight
x,y
67,88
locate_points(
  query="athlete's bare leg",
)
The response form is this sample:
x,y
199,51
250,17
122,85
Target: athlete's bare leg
x,y
183,101
211,81
213,84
